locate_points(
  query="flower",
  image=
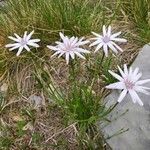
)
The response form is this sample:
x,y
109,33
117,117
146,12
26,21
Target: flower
x,y
107,40
129,83
22,42
69,47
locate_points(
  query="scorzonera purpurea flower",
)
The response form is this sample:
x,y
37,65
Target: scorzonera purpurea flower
x,y
129,83
107,41
69,47
22,42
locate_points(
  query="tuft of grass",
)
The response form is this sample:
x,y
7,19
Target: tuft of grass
x,y
48,17
138,13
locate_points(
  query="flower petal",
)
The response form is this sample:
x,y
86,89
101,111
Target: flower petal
x,y
135,97
141,90
98,35
12,45
67,58
105,47
33,44
14,39
115,75
142,81
95,43
29,35
98,47
117,85
112,47
52,48
78,54
121,72
118,47
122,95
115,35
19,51
109,31
27,48
104,30
119,39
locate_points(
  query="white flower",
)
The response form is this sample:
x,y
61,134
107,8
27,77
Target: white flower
x,y
107,40
129,83
22,42
69,47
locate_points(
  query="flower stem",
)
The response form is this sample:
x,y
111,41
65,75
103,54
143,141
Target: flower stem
x,y
102,59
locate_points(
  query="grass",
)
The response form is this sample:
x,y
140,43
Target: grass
x,y
69,98
138,12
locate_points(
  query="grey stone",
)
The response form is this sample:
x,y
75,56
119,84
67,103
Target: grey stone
x,y
137,119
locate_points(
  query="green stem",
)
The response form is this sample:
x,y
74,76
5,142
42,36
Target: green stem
x,y
72,70
102,59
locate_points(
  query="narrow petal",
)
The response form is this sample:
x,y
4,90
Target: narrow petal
x,y
15,47
105,47
98,35
137,77
62,35
67,58
56,53
33,44
29,36
141,90
19,51
25,35
136,71
82,50
95,43
72,55
14,39
78,54
18,37
12,45
130,71
143,87
117,85
121,72
118,47
104,30
122,95
135,97
115,35
119,39
52,48
83,43
98,47
115,75
27,48
112,48
35,40
142,82
132,96
109,31
61,53
75,42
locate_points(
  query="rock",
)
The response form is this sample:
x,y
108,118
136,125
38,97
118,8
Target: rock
x,y
137,119
36,101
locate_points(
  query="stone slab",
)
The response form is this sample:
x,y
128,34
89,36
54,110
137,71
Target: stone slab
x,y
137,119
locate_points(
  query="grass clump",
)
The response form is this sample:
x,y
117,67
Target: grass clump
x,y
138,13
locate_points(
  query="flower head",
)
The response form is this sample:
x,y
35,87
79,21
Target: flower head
x,y
69,47
22,42
107,40
129,83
